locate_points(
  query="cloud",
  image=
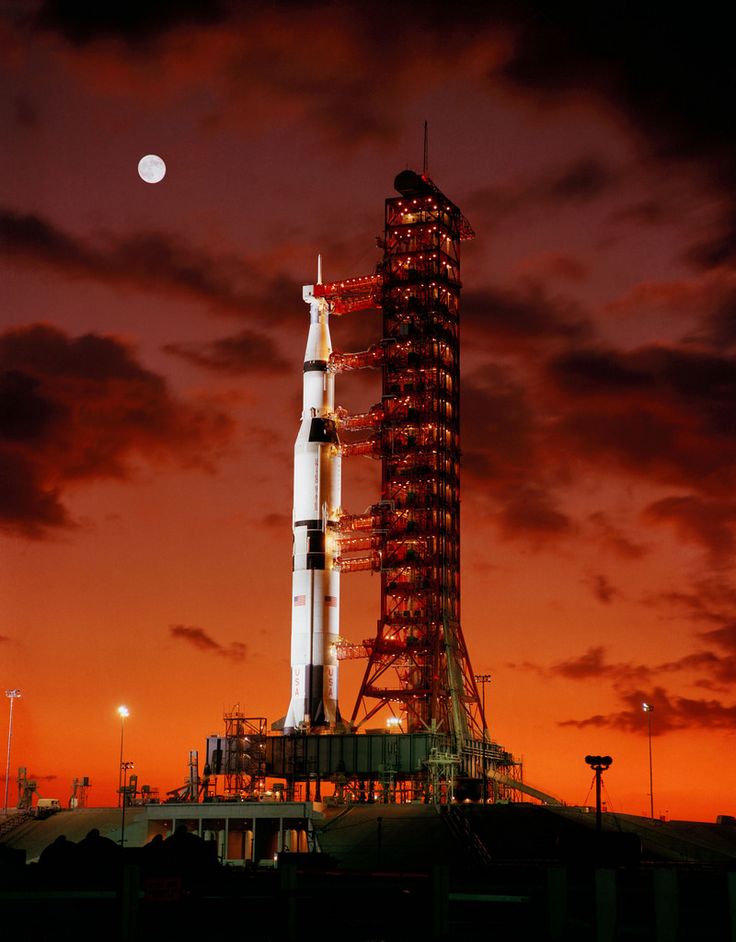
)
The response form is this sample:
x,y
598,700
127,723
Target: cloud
x,y
135,21
660,412
592,665
501,453
579,181
532,513
555,265
199,639
707,522
638,66
613,538
514,318
720,321
724,637
668,77
148,261
77,409
498,428
602,588
248,351
670,713
632,685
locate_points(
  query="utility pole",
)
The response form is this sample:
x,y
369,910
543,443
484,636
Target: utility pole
x,y
484,679
12,695
599,764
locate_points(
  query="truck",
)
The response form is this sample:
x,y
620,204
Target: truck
x,y
47,806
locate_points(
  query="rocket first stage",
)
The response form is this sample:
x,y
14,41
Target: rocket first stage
x,y
315,611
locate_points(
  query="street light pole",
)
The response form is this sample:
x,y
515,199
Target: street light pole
x,y
12,695
122,713
649,709
484,679
124,766
599,764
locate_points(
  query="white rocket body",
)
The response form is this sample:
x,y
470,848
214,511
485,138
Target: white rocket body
x,y
315,611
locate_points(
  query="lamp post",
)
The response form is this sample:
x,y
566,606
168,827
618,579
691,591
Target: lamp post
x,y
12,695
124,766
123,711
649,709
484,679
599,764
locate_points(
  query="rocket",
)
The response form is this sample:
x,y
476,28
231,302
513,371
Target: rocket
x,y
315,602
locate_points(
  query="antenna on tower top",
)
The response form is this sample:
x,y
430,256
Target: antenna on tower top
x,y
319,269
426,150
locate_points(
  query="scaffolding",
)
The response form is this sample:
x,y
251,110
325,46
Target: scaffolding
x,y
418,664
239,755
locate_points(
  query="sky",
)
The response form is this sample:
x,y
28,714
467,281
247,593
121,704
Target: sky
x,y
151,339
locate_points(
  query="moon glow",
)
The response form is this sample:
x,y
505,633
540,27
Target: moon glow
x,y
151,169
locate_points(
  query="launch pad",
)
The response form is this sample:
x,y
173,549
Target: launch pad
x,y
418,681
362,767
432,743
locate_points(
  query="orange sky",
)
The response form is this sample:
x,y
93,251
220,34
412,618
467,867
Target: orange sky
x,y
151,340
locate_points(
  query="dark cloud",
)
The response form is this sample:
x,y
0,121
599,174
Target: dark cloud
x,y
581,181
531,513
671,75
557,265
26,112
720,322
613,538
151,261
30,506
723,637
498,428
718,249
707,522
276,521
199,639
664,413
515,317
82,408
500,454
709,601
586,179
631,681
248,351
648,212
603,589
135,21
592,665
670,713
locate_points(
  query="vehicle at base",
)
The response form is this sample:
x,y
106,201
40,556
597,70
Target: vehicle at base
x,y
47,806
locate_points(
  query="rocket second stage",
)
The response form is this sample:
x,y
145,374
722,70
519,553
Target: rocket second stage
x,y
315,611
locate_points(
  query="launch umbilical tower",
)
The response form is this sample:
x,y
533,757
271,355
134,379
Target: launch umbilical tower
x,y
418,664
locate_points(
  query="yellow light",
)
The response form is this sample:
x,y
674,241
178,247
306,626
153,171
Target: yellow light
x,y
123,711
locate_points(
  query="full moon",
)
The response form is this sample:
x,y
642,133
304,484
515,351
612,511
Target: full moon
x,y
151,169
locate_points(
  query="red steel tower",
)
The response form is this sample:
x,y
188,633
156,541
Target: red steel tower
x,y
418,665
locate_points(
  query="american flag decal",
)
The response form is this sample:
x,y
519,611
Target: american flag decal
x,y
300,600
331,601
